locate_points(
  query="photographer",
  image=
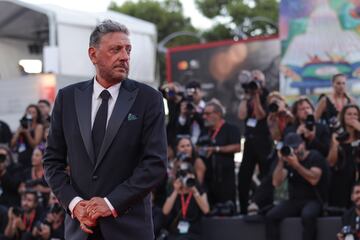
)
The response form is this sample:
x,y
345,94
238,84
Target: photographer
x,y
191,107
21,221
222,142
307,175
9,179
343,157
33,178
185,152
52,227
351,218
278,118
29,134
316,135
185,206
258,142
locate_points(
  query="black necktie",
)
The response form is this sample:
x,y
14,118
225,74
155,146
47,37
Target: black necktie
x,y
99,127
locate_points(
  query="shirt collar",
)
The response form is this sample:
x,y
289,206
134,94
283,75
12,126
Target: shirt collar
x,y
113,90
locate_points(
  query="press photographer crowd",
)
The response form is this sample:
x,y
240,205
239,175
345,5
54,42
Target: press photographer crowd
x,y
306,157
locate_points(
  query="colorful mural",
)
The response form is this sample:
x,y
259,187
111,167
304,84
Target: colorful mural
x,y
319,38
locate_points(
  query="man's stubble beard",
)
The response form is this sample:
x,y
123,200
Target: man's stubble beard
x,y
112,79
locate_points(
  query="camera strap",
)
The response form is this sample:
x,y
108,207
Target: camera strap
x,y
28,224
185,204
217,130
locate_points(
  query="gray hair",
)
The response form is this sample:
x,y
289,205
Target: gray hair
x,y
105,27
218,107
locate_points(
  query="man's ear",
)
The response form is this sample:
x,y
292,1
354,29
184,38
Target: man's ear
x,y
92,54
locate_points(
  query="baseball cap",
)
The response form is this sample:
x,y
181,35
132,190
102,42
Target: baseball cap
x,y
293,140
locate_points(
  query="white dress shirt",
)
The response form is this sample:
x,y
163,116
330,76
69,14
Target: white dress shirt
x,y
95,105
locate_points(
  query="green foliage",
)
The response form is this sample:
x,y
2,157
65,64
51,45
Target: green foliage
x,y
166,15
263,13
217,33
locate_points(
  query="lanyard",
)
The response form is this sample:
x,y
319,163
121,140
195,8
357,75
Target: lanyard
x,y
185,205
31,221
217,130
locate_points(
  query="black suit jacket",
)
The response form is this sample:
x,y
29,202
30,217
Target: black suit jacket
x,y
132,158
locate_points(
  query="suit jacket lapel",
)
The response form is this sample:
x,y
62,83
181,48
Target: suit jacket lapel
x,y
124,102
83,99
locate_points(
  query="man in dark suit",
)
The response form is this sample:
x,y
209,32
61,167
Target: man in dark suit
x,y
110,131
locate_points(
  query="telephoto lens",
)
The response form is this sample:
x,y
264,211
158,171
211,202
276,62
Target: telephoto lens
x,y
273,107
310,122
286,151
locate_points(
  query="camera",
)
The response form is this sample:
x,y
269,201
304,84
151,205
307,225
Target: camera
x,y
56,208
223,209
286,151
33,183
251,86
17,211
310,122
2,158
273,107
183,157
248,82
182,173
348,233
25,121
335,127
204,142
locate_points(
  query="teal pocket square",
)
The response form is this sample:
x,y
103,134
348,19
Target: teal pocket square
x,y
132,117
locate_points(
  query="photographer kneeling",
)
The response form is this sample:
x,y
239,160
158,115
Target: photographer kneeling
x,y
351,218
186,205
307,173
343,155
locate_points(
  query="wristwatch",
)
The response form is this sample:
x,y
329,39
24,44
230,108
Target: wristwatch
x,y
217,149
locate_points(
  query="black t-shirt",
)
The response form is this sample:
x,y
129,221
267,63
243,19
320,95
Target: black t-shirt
x,y
299,188
343,176
261,129
193,215
352,219
228,134
321,141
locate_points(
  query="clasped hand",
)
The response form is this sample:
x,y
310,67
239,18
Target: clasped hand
x,y
88,211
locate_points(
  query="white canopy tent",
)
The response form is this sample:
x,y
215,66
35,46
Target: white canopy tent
x,y
59,37
64,35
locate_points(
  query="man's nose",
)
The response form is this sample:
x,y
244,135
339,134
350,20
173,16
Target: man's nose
x,y
124,55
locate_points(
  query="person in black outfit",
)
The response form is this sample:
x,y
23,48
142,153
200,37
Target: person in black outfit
x,y
21,222
258,143
223,141
9,179
344,157
5,133
316,135
185,206
307,174
329,106
45,109
29,134
351,218
185,109
278,118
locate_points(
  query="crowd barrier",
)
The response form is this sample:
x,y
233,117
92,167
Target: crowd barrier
x,y
238,228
